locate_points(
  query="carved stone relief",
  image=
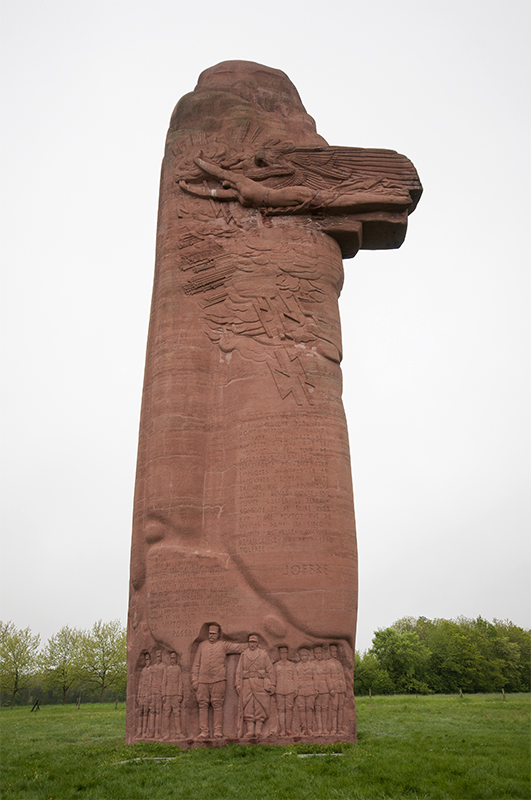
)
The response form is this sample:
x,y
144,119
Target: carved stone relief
x,y
243,565
241,690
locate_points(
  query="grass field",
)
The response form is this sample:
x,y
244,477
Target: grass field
x,y
465,748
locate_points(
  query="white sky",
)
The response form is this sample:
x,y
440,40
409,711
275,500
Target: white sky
x,y
436,334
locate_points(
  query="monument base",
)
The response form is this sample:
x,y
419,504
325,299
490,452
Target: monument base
x,y
273,739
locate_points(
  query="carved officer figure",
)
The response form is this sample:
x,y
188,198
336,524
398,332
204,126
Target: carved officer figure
x,y
209,679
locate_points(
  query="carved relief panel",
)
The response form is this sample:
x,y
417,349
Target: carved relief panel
x,y
243,691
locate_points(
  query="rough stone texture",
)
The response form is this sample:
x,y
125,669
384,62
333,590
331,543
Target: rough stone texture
x,y
243,515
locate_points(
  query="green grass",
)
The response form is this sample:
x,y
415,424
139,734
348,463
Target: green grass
x,y
409,747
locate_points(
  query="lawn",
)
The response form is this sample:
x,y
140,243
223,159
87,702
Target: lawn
x,y
433,747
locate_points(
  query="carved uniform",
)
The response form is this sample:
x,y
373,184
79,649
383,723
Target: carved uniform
x,y
285,691
209,674
172,688
144,687
321,681
337,700
143,699
305,695
323,685
286,678
209,663
305,682
172,691
337,675
255,679
157,678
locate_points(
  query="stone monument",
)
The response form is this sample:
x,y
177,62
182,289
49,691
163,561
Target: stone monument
x,y
243,592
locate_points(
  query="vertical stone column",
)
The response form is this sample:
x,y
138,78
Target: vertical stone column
x,y
243,529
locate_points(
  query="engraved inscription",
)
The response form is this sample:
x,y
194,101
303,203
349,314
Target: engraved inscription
x,y
182,580
283,489
298,569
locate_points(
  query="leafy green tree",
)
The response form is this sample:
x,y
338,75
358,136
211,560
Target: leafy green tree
x,y
448,655
467,658
103,656
61,660
369,677
518,671
482,666
406,624
18,657
404,657
472,654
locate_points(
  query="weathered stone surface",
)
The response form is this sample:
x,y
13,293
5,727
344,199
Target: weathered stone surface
x,y
244,516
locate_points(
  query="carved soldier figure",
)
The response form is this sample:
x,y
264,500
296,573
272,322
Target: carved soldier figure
x,y
285,690
337,697
323,688
143,697
172,698
209,679
254,683
305,692
155,705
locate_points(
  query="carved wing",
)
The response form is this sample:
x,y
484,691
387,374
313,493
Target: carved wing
x,y
350,168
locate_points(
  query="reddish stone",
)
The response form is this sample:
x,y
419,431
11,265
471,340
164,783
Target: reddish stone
x,y
244,533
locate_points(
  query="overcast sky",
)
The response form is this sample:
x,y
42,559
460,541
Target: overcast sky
x,y
436,334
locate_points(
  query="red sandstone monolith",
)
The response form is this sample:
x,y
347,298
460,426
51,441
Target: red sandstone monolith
x,y
243,592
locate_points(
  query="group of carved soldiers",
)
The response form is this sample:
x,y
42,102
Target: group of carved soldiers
x,y
315,688
159,698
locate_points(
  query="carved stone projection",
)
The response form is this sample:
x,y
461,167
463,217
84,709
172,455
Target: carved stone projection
x,y
244,561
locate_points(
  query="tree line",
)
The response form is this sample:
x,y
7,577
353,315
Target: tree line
x,y
412,656
75,663
441,656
